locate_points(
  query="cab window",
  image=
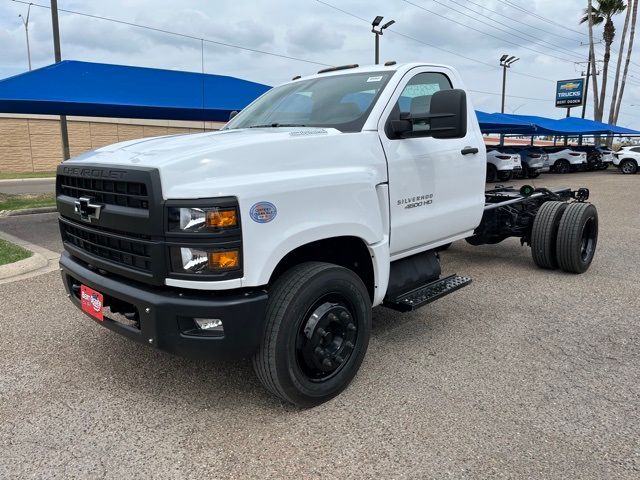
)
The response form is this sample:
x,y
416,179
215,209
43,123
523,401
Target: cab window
x,y
415,98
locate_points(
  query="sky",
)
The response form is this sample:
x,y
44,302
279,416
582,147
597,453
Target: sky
x,y
332,32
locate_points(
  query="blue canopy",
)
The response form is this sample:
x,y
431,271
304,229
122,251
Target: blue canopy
x,y
500,123
584,124
103,90
534,125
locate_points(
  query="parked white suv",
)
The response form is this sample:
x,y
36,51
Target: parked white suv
x,y
502,165
565,160
627,159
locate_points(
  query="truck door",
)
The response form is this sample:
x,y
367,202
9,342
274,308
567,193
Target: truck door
x,y
436,191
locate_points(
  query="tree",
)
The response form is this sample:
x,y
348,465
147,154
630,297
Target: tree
x,y
616,85
592,59
604,13
632,34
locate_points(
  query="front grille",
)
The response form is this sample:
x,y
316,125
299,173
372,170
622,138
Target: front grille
x,y
110,192
122,250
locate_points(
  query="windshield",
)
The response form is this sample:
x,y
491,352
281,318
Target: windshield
x,y
342,102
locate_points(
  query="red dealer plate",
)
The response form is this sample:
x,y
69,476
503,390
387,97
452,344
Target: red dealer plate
x,y
92,302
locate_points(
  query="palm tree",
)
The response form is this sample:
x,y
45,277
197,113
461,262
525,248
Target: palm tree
x,y
616,85
604,13
632,34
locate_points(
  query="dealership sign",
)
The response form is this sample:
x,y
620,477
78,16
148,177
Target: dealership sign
x,y
570,93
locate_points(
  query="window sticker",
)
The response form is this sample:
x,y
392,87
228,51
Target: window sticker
x,y
374,79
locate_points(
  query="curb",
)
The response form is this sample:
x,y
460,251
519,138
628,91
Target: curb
x,y
33,180
27,211
27,265
42,261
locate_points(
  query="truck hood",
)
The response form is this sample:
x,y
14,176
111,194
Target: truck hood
x,y
229,161
159,151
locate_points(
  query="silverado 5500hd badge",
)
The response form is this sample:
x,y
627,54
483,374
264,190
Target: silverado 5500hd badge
x,y
415,202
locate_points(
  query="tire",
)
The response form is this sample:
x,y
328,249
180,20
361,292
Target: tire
x,y
628,167
604,166
533,173
505,175
492,173
544,234
562,166
577,237
291,360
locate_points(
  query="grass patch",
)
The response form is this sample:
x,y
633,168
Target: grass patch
x,y
10,253
13,176
18,202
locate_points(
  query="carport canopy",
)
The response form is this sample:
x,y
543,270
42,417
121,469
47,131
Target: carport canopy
x,y
105,90
535,125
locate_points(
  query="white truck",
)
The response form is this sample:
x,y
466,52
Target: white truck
x,y
274,237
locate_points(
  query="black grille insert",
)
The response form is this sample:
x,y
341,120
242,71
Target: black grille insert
x,y
110,192
128,252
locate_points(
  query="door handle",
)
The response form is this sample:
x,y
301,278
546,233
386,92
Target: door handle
x,y
469,150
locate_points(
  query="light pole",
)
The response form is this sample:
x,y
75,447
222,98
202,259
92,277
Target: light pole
x,y
505,62
26,31
376,23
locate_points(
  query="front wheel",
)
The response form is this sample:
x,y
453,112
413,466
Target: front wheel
x,y
317,329
628,167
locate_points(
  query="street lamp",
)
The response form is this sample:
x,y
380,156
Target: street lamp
x,y
505,62
26,31
376,23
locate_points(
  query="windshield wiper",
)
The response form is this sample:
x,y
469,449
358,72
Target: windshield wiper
x,y
276,125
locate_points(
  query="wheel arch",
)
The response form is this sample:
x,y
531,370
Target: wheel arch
x,y
347,251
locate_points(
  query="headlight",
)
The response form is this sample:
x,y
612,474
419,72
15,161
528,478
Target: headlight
x,y
197,260
193,220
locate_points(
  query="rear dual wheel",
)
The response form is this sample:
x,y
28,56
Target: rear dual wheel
x,y
565,236
317,329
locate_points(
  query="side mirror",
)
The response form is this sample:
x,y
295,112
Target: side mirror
x,y
233,114
403,126
449,114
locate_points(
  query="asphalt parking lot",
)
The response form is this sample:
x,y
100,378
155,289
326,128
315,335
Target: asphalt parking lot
x,y
523,374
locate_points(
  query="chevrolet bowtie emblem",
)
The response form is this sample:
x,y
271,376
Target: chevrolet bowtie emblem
x,y
87,210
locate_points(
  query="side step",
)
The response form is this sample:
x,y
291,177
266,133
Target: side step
x,y
428,293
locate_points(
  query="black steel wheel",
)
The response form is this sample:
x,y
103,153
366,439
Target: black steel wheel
x,y
628,167
544,234
492,173
316,333
577,237
562,166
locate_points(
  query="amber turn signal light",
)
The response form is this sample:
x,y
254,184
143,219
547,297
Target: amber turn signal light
x,y
222,218
224,260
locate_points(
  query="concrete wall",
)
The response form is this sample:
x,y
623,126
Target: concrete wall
x,y
33,144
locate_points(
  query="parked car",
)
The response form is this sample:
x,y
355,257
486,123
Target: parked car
x,y
606,157
565,159
627,159
502,164
534,162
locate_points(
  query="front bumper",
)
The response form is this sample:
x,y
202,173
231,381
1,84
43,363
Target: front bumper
x,y
165,316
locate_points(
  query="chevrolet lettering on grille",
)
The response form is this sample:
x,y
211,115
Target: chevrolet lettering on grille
x,y
87,210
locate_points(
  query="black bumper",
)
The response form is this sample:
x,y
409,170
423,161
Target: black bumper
x,y
164,316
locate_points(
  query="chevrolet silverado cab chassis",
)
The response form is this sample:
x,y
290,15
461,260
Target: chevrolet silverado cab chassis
x,y
274,237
